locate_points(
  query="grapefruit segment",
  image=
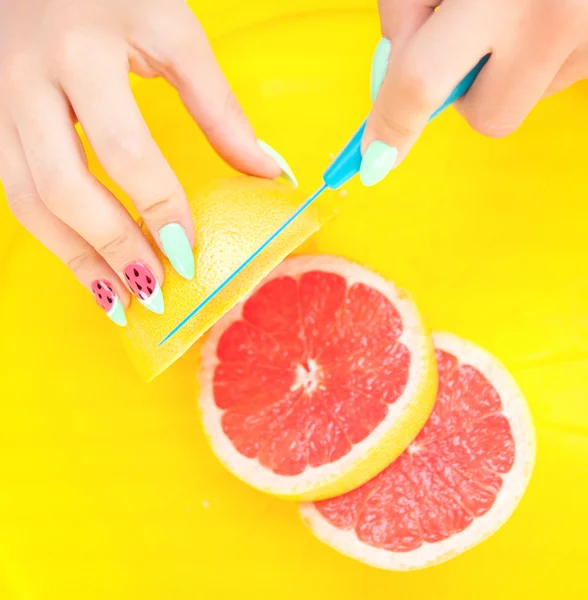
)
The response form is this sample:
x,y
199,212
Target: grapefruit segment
x,y
456,483
317,381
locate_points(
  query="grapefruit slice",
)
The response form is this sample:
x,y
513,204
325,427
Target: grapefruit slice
x,y
457,482
318,381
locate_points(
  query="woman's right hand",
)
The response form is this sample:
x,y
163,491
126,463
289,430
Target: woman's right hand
x,y
537,47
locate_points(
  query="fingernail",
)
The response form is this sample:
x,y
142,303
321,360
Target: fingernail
x,y
177,248
377,162
286,170
379,67
108,299
144,285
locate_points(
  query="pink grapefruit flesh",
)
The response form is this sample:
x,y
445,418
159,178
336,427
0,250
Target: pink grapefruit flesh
x,y
455,484
318,380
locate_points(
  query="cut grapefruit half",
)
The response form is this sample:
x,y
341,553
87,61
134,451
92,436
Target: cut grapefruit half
x,y
457,482
318,381
232,217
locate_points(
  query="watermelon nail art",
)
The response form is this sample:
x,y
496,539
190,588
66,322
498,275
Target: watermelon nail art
x,y
143,284
108,299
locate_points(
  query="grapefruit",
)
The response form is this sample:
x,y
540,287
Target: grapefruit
x,y
456,483
232,217
317,381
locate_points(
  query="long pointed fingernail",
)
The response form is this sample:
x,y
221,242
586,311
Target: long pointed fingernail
x,y
379,67
286,170
377,162
108,299
144,285
176,246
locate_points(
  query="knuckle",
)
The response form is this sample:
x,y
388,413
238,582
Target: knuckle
x,y
114,246
57,187
390,122
158,211
81,261
414,84
407,99
124,150
22,202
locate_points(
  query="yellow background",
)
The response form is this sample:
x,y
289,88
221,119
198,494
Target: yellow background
x,y
107,487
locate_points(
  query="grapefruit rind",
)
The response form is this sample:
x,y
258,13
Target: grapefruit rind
x,y
232,218
514,482
404,420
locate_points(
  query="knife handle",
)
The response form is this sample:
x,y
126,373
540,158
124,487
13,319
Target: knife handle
x,y
346,165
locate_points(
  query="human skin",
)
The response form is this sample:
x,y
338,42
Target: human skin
x,y
63,61
537,47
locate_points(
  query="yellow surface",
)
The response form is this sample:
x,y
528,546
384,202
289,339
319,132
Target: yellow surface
x,y
109,490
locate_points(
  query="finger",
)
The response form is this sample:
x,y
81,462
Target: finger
x,y
419,79
97,86
69,191
185,58
400,19
86,264
573,70
513,81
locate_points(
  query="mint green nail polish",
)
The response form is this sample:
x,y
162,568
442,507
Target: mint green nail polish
x,y
379,67
117,314
377,162
155,302
286,170
177,248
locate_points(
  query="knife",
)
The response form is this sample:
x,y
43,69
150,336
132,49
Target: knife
x,y
345,166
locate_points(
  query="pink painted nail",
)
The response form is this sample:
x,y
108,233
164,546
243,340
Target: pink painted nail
x,y
108,299
144,285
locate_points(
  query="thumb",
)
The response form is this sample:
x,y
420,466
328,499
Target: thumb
x,y
399,20
419,78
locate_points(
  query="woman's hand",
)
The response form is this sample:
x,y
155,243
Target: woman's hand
x,y
537,47
63,61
